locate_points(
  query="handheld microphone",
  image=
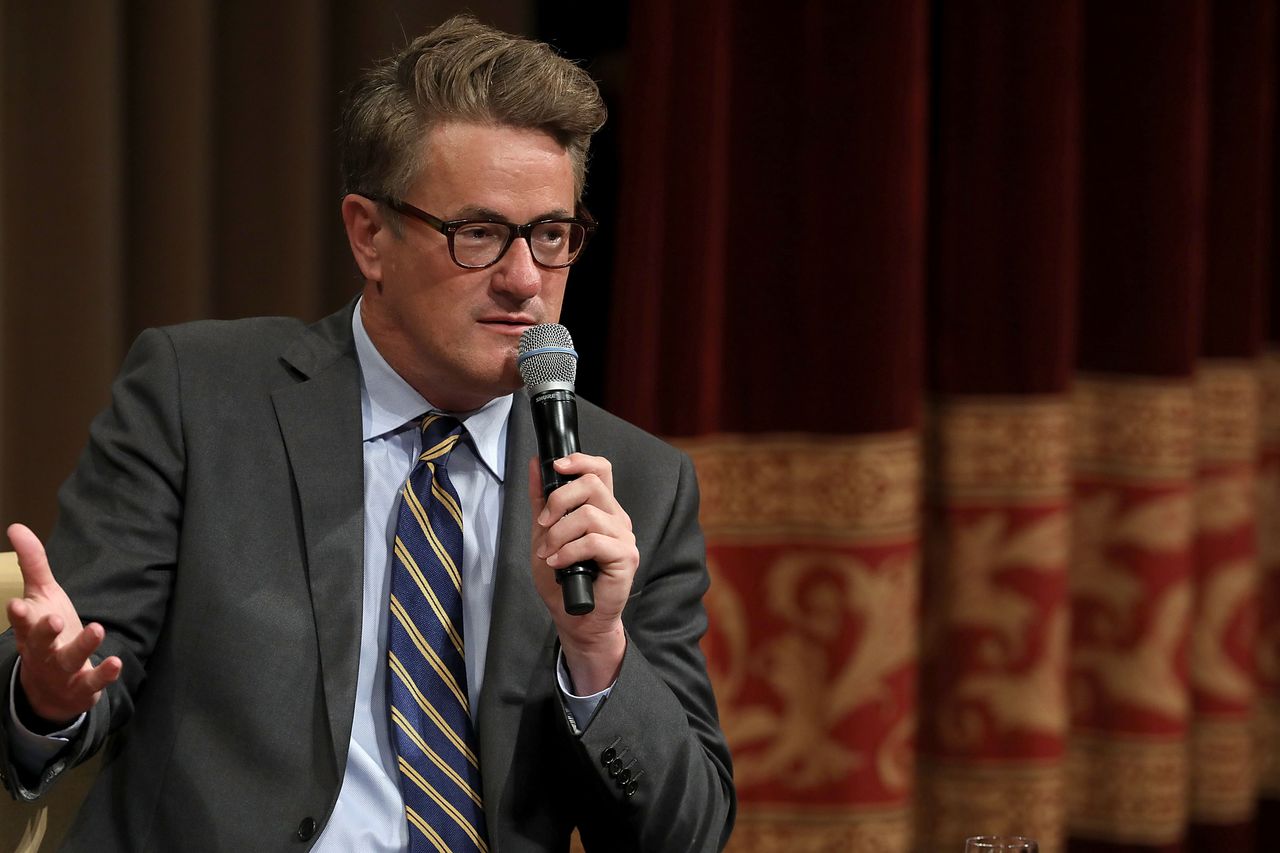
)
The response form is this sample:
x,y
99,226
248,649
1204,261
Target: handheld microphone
x,y
548,365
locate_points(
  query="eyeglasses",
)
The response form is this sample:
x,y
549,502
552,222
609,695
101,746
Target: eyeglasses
x,y
478,243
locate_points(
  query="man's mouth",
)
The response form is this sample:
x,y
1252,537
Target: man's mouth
x,y
514,325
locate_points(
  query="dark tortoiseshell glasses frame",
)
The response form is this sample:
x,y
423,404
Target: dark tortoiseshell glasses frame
x,y
581,227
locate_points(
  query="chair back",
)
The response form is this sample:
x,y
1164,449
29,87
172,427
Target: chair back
x,y
10,583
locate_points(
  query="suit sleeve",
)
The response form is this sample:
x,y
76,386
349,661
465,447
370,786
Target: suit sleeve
x,y
655,743
115,544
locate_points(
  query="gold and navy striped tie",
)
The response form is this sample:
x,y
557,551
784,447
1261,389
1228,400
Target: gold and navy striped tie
x,y
431,724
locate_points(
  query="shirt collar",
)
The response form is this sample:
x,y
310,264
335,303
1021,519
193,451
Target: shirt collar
x,y
389,403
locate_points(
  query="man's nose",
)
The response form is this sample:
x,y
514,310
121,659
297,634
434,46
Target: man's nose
x,y
516,273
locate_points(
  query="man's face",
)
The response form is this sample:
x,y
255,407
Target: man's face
x,y
453,333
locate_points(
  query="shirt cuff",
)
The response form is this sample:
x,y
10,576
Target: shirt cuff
x,y
31,752
577,707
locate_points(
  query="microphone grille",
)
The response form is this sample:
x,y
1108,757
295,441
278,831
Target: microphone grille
x,y
547,355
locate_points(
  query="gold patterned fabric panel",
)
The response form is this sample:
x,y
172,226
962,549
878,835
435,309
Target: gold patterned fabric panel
x,y
850,488
841,831
812,545
1134,429
996,621
1056,616
1002,449
958,799
1126,789
1227,578
1133,573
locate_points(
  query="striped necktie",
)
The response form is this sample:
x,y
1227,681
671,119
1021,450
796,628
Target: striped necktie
x,y
431,726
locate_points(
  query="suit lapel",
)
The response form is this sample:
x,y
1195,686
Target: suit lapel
x,y
319,419
520,628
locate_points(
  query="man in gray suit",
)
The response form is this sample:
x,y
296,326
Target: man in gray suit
x,y
223,549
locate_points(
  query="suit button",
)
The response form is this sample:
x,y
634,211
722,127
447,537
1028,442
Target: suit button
x,y
306,829
629,789
624,777
615,767
608,756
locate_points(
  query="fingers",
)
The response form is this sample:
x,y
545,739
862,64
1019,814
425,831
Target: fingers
x,y
42,635
96,679
25,619
71,656
594,486
42,647
19,612
60,697
57,675
582,520
607,552
32,561
31,627
43,640
584,523
44,611
60,681
580,464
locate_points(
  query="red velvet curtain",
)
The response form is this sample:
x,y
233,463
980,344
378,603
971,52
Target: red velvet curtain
x,y
773,232
964,313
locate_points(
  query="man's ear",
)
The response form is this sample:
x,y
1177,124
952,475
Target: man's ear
x,y
363,221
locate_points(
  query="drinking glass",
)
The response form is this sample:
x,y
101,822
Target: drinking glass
x,y
1000,844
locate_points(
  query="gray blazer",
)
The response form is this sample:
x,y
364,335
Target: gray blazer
x,y
214,526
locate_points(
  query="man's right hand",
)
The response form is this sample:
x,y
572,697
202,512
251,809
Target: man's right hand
x,y
59,680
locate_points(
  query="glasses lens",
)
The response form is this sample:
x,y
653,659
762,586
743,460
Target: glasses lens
x,y
477,244
557,244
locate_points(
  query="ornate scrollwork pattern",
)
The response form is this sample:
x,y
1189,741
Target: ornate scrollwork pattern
x,y
1224,631
996,621
814,633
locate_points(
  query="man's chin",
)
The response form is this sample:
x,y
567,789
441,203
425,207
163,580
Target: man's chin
x,y
512,382
511,378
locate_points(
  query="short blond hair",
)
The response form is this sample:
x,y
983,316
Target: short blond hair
x,y
462,71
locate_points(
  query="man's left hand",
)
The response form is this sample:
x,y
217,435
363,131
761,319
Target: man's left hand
x,y
581,521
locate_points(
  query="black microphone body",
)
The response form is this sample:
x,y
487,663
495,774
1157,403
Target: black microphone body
x,y
555,422
548,365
